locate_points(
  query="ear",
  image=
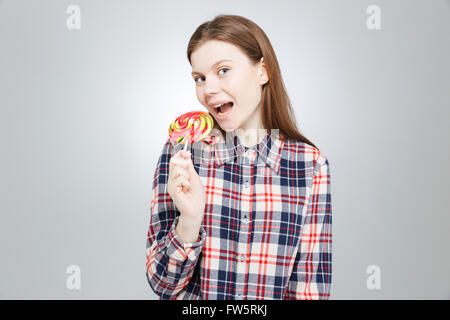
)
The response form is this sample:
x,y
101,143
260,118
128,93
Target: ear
x,y
262,72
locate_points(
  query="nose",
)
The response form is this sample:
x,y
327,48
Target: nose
x,y
211,86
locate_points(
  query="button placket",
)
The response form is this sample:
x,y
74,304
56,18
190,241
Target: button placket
x,y
243,247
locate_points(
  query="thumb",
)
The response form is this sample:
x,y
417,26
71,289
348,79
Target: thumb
x,y
190,163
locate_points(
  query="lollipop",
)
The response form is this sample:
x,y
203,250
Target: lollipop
x,y
192,126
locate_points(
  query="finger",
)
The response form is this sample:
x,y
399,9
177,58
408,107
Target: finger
x,y
179,171
176,169
186,154
181,181
190,167
178,162
182,154
186,157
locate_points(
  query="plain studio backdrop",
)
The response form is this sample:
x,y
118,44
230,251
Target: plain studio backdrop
x,y
86,105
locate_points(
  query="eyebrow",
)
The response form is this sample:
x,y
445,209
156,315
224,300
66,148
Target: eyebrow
x,y
215,64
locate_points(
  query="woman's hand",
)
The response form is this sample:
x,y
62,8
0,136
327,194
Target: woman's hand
x,y
187,192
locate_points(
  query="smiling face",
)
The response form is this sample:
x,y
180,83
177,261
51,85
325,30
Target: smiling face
x,y
222,73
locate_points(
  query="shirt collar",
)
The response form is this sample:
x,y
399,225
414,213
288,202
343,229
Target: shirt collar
x,y
226,149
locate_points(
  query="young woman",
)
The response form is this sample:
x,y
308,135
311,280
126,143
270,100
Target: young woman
x,y
250,216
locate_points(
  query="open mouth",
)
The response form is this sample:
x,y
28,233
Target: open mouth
x,y
224,108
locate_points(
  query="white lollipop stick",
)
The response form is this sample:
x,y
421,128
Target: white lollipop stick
x,y
187,138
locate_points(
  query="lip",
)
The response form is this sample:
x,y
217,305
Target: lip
x,y
225,116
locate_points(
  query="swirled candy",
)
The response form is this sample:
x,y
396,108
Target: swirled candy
x,y
191,127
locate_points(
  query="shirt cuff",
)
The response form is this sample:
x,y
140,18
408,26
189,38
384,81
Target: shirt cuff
x,y
180,251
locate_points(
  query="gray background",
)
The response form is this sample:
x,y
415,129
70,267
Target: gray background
x,y
84,115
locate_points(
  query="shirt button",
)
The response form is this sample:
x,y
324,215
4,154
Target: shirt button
x,y
246,183
245,220
239,296
243,258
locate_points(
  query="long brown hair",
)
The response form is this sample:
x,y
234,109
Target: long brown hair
x,y
277,112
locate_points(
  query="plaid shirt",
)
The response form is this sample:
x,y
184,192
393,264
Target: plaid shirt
x,y
266,231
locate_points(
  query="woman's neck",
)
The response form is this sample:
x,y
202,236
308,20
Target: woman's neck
x,y
251,137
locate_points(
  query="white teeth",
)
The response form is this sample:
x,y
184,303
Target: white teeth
x,y
219,105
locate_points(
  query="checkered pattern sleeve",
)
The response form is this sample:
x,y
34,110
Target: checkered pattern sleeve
x,y
311,275
170,262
